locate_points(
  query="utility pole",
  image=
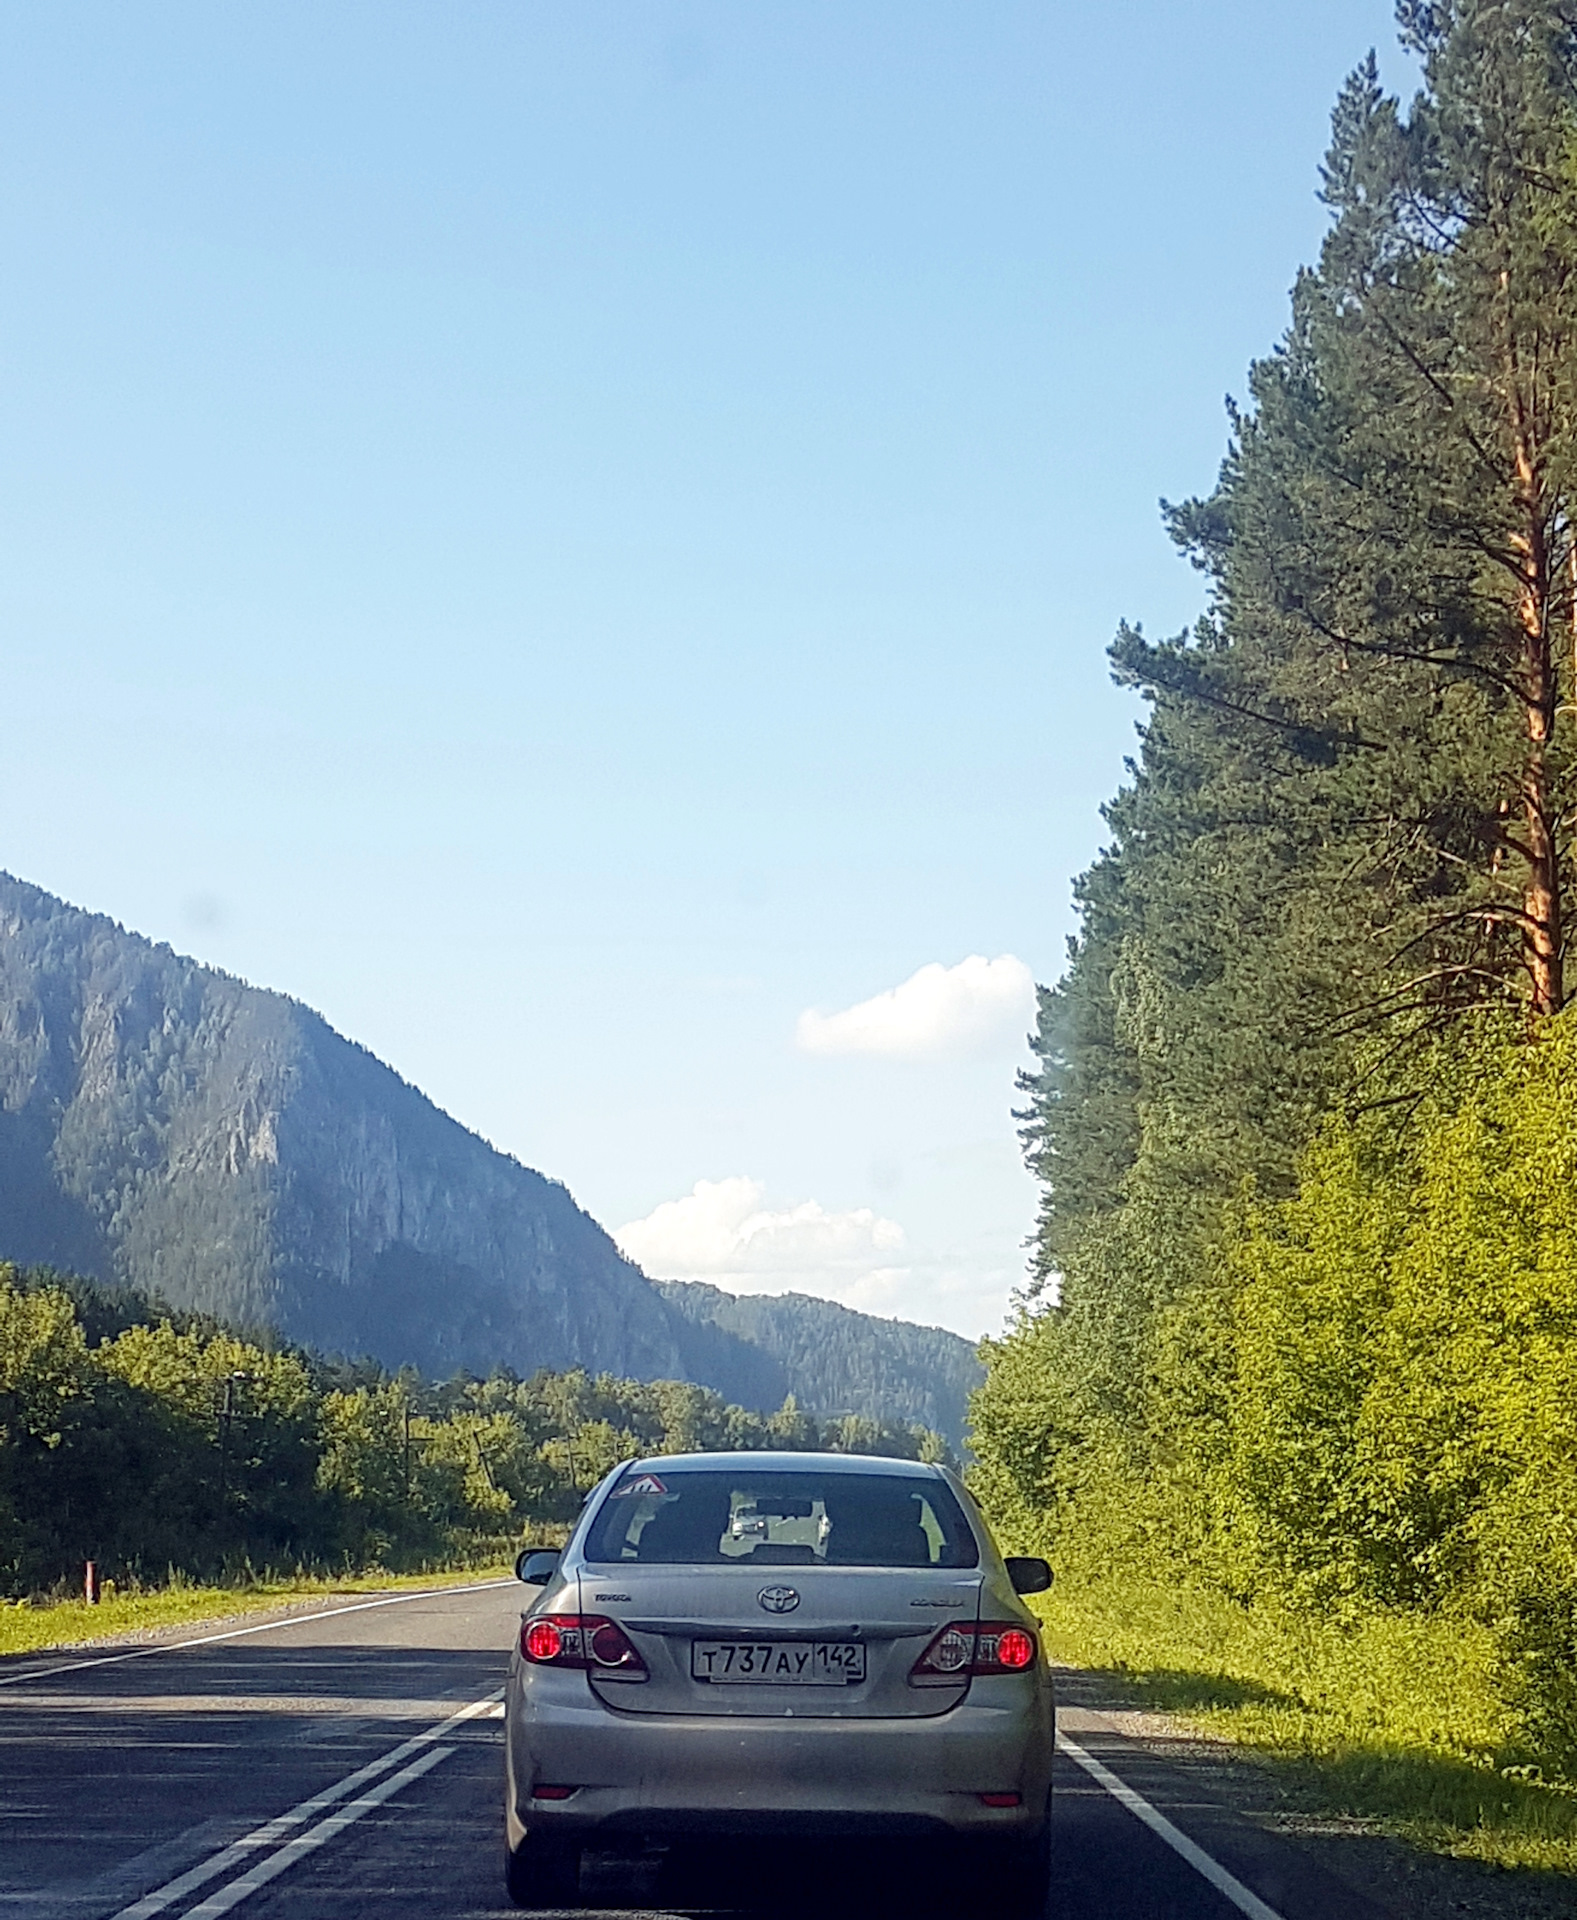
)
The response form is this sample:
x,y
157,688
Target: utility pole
x,y
226,1415
481,1461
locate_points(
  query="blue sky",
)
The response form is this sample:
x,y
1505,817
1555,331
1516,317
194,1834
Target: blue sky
x,y
567,537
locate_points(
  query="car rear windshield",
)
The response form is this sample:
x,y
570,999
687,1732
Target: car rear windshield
x,y
698,1517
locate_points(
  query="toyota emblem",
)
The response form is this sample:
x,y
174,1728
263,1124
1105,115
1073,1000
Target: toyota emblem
x,y
778,1599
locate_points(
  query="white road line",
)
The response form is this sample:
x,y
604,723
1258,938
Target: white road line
x,y
304,1843
1224,1883
240,1633
275,1830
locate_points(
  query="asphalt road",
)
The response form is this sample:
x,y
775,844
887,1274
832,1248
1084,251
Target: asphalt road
x,y
352,1763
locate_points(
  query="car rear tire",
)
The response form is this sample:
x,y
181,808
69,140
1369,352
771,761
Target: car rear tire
x,y
542,1873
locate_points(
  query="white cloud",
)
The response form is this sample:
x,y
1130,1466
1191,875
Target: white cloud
x,y
720,1231
939,1010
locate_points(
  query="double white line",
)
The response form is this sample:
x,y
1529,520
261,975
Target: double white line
x,y
281,1845
280,1841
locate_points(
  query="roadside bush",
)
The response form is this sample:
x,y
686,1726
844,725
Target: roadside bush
x,y
167,1446
1368,1404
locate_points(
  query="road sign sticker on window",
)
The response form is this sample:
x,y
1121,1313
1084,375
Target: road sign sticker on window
x,y
642,1483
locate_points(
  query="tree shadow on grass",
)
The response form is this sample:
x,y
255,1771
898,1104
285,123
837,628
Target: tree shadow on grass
x,y
1165,1689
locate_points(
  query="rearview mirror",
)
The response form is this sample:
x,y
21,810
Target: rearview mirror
x,y
537,1566
1028,1573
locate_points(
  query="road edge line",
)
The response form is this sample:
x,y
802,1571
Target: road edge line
x,y
240,1633
1226,1884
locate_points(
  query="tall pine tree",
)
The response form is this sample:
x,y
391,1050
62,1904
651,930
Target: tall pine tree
x,y
1351,819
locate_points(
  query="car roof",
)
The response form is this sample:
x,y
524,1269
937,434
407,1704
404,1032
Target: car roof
x,y
756,1459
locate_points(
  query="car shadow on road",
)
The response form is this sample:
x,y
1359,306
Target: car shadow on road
x,y
774,1878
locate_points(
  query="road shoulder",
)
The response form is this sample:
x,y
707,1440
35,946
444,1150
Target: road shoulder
x,y
1399,1879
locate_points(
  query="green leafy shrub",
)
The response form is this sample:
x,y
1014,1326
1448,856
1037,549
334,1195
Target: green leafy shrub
x,y
168,1446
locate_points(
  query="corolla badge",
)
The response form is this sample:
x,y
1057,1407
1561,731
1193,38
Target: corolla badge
x,y
778,1599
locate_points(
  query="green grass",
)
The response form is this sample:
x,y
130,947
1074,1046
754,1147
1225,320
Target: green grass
x,y
29,1626
1395,1721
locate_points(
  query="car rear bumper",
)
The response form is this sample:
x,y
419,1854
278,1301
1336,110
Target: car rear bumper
x,y
654,1775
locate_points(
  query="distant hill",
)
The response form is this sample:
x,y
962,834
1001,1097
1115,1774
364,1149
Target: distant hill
x,y
166,1127
835,1360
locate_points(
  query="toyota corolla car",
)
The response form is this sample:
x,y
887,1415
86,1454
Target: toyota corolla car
x,y
778,1644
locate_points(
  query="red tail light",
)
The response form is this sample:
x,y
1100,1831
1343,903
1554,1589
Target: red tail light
x,y
987,1646
544,1640
589,1640
1014,1651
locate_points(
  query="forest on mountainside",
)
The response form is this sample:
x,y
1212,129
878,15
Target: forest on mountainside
x,y
834,1360
1302,1326
167,1128
156,1443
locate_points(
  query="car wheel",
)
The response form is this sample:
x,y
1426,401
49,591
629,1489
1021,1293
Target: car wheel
x,y
542,1873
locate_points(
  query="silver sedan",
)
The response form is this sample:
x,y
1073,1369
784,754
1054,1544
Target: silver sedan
x,y
778,1644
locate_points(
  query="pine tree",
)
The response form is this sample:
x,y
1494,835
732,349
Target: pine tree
x,y
1392,541
1351,818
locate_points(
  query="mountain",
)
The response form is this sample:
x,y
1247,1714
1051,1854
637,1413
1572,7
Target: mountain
x,y
835,1360
165,1127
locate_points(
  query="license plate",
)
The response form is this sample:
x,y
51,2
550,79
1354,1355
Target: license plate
x,y
779,1663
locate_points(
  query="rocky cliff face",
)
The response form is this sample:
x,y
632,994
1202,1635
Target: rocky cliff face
x,y
165,1126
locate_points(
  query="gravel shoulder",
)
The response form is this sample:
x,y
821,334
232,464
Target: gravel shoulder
x,y
1401,1877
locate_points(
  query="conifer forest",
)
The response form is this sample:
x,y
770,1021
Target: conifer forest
x,y
1302,1322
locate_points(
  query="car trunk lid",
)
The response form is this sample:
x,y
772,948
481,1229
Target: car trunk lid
x,y
793,1641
